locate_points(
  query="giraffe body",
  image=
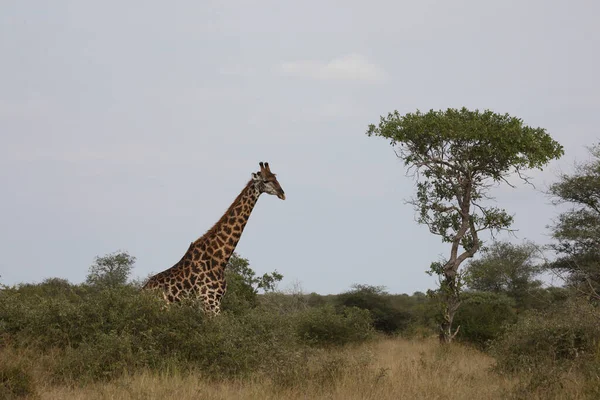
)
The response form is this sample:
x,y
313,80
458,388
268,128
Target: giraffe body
x,y
201,271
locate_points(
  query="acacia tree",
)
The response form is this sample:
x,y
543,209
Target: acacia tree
x,y
507,268
577,231
458,156
111,270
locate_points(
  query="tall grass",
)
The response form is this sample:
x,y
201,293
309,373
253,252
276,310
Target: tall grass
x,y
385,369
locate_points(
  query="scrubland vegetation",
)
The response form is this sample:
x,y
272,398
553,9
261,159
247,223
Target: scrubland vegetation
x,y
60,340
517,339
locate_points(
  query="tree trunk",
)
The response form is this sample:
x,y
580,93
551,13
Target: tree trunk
x,y
451,301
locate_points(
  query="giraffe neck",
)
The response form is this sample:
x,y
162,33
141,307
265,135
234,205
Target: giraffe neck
x,y
220,241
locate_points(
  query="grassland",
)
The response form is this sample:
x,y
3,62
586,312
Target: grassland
x,y
382,369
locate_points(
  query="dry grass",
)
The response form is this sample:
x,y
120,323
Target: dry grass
x,y
386,369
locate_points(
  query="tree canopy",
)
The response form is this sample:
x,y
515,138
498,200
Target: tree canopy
x,y
111,270
458,155
507,268
577,231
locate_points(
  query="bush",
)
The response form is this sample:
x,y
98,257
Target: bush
x,y
324,326
483,316
101,333
386,318
243,285
562,338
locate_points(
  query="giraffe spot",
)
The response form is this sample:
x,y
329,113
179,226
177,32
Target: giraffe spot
x,y
196,254
195,268
237,228
187,284
227,230
218,254
203,289
171,298
231,242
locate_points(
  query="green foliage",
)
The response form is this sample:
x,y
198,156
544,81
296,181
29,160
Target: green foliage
x,y
243,285
386,317
492,143
483,316
324,326
15,382
459,155
101,334
577,231
506,268
454,148
562,338
111,270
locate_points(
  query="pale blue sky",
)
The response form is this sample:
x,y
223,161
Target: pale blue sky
x,y
133,125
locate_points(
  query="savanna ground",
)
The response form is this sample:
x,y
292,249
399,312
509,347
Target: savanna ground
x,y
383,369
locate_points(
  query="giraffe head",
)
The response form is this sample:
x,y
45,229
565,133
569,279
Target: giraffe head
x,y
266,182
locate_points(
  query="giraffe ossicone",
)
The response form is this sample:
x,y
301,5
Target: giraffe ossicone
x,y
201,271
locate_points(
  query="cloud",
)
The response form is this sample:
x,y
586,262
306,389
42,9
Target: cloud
x,y
352,67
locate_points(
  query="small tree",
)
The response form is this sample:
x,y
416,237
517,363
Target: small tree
x,y
386,317
577,231
458,156
506,268
243,284
112,270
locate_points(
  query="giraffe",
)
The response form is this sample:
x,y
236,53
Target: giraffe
x,y
201,271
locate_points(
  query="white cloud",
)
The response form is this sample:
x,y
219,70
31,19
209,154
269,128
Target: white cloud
x,y
350,67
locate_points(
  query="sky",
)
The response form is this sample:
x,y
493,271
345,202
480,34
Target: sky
x,y
133,126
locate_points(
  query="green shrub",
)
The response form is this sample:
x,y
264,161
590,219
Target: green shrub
x,y
324,326
386,317
562,338
483,316
243,285
101,333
